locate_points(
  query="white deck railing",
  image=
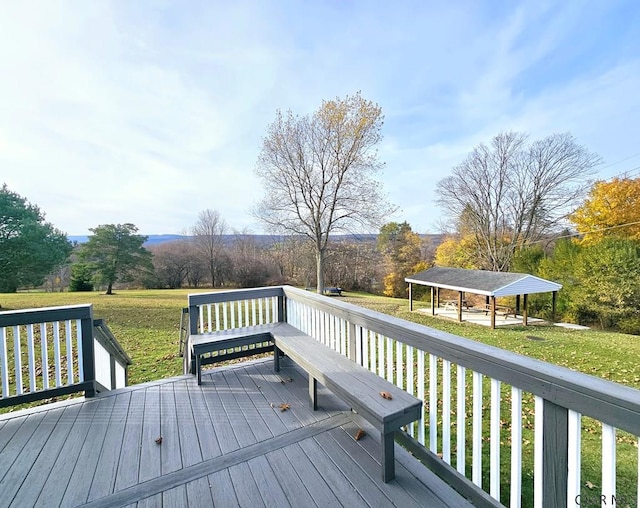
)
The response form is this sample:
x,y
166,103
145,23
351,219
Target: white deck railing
x,y
52,351
486,409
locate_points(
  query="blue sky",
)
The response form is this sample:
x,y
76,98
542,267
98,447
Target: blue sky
x,y
151,111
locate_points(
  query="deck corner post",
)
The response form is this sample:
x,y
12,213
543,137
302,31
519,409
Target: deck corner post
x,y
410,296
88,354
555,454
282,317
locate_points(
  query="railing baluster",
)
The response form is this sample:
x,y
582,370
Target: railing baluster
x,y
538,453
446,411
209,323
516,447
364,336
45,356
17,359
56,352
421,380
253,312
380,355
410,381
574,458
31,357
217,312
79,349
389,360
261,310
224,316
433,403
201,317
608,463
4,363
399,364
476,470
373,337
494,450
461,412
69,346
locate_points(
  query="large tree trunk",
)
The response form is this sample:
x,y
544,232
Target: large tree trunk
x,y
110,288
320,271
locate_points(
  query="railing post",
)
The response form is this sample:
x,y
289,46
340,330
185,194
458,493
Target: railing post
x,y
555,454
88,354
281,308
112,367
193,319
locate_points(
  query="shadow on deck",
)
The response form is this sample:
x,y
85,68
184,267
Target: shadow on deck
x,y
226,442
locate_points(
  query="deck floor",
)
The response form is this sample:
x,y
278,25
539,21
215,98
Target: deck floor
x,y
224,443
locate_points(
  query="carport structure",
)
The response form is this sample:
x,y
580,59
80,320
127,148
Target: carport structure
x,y
482,282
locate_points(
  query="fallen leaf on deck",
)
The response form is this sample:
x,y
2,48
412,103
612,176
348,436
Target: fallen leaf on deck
x,y
284,406
386,395
360,434
159,440
282,381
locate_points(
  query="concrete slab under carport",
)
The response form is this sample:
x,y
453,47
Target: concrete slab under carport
x,y
480,317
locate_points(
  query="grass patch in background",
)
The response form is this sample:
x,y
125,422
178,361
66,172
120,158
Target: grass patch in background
x,y
146,325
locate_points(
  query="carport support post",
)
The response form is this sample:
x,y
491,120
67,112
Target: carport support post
x,y
554,297
460,295
493,312
524,309
410,297
433,301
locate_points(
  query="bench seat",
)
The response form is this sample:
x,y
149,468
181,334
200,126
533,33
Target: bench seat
x,y
352,383
203,343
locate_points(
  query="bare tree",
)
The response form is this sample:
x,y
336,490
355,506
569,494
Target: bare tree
x,y
208,240
512,193
171,261
318,173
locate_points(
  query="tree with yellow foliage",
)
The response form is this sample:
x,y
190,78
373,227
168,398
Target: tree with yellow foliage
x,y
401,249
458,252
611,210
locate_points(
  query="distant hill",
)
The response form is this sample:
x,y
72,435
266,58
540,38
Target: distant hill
x,y
152,240
259,239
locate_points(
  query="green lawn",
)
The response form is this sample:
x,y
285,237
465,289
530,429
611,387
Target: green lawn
x,y
146,325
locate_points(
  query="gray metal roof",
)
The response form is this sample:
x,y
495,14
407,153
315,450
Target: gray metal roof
x,y
483,282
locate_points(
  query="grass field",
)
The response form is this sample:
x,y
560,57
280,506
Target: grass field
x,y
146,323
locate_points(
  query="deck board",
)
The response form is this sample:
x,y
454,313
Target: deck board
x,y
225,442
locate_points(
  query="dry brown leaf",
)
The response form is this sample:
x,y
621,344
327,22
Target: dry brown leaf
x,y
282,381
159,440
386,395
360,434
284,406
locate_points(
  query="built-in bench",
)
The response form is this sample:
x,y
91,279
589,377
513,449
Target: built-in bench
x,y
226,342
360,388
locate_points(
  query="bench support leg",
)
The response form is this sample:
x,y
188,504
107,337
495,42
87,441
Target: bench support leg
x,y
388,457
276,359
199,369
313,392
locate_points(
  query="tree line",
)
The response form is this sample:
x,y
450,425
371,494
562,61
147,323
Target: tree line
x,y
513,204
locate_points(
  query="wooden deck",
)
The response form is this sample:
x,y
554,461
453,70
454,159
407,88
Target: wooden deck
x,y
224,443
